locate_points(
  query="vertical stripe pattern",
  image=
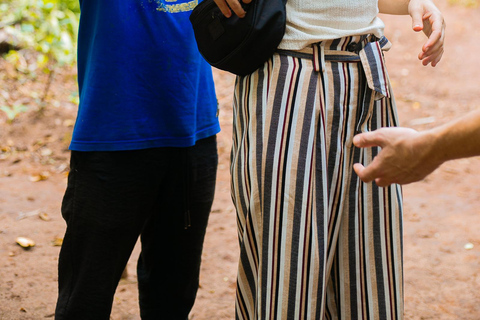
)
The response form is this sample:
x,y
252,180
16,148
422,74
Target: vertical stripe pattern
x,y
315,242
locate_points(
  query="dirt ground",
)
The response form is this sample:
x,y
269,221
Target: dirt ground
x,y
442,238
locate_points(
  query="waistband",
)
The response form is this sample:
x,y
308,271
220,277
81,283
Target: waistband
x,y
366,49
343,49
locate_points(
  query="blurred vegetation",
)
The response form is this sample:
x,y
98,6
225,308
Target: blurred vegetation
x,y
48,27
37,37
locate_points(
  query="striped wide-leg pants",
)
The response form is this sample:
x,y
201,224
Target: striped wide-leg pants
x,y
315,241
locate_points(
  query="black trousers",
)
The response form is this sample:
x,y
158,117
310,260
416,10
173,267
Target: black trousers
x,y
163,195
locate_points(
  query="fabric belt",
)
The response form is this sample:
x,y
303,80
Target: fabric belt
x,y
368,50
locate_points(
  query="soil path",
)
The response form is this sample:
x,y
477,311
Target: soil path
x,y
442,238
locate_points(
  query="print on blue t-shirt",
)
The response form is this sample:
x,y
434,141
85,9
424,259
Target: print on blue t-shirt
x,y
142,81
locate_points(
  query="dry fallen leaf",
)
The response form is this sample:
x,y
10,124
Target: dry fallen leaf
x,y
25,242
44,216
39,177
57,242
68,123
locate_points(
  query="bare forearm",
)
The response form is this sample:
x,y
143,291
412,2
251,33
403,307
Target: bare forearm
x,y
393,6
456,139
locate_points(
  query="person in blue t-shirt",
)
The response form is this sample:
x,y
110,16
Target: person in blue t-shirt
x,y
143,160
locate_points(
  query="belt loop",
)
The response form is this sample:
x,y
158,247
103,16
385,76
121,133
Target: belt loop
x,y
319,56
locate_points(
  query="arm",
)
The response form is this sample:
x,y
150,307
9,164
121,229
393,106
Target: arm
x,y
408,156
424,13
393,6
425,16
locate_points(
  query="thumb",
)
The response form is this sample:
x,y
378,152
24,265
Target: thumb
x,y
364,173
358,168
416,12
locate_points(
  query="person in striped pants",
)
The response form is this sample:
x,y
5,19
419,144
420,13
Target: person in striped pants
x,y
315,241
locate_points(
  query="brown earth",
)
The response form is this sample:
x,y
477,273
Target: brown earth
x,y
442,238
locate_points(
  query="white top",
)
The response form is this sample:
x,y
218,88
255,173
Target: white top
x,y
310,21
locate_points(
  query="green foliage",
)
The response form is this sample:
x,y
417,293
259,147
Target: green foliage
x,y
13,111
48,28
40,36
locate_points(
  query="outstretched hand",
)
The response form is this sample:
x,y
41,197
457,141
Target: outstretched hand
x,y
427,17
404,157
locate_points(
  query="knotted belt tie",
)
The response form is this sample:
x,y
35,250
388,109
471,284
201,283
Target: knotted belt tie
x,y
368,51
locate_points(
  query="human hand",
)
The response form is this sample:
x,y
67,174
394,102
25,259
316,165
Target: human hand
x,y
426,16
404,157
227,6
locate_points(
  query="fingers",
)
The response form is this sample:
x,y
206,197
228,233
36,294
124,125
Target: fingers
x,y
434,28
427,18
434,58
227,6
359,170
435,31
224,8
237,8
374,170
368,139
369,173
433,48
432,55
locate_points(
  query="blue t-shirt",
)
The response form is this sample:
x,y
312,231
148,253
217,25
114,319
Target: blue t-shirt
x,y
142,81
